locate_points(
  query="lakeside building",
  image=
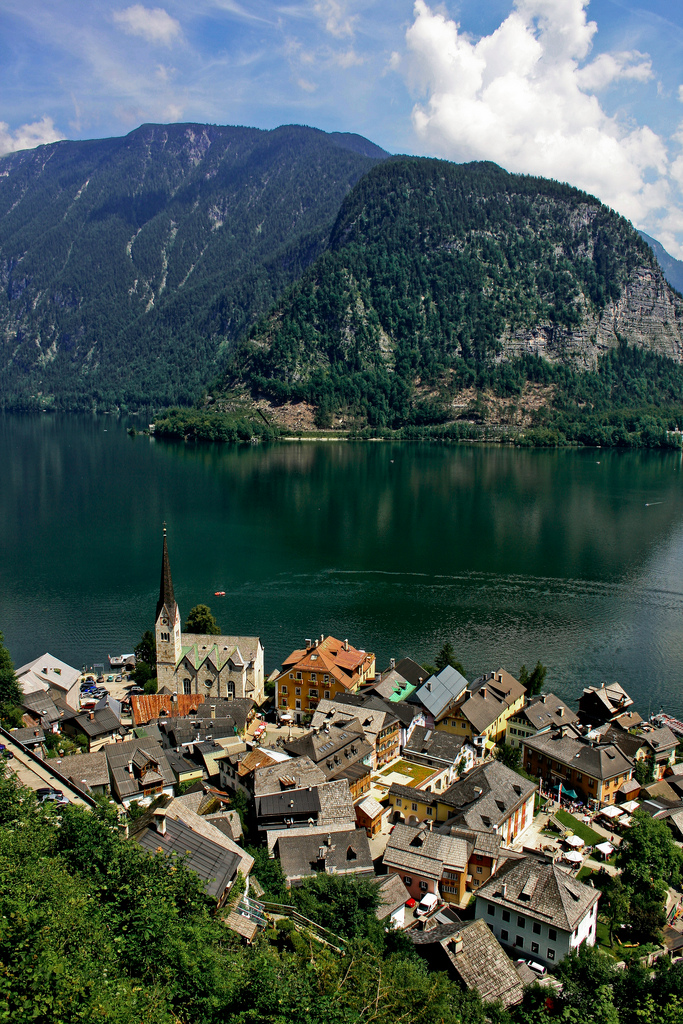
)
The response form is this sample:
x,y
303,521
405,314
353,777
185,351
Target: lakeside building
x,y
481,712
192,663
48,673
605,703
538,909
322,670
378,720
586,770
539,713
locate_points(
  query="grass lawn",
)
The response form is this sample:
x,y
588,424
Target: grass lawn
x,y
417,772
579,829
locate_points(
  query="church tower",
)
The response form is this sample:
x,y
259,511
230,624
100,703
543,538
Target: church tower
x,y
167,627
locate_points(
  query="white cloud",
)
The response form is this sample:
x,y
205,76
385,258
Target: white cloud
x,y
151,23
334,13
523,96
28,136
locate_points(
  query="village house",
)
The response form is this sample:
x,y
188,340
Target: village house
x,y
490,797
481,713
539,713
323,807
471,955
393,898
645,742
428,862
87,771
32,738
333,746
321,670
238,770
440,750
138,771
340,853
189,663
399,681
149,707
369,814
484,849
40,710
48,673
412,806
439,693
538,909
100,727
604,703
378,721
586,770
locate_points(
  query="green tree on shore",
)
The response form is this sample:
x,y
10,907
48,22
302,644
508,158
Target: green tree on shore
x,y
200,620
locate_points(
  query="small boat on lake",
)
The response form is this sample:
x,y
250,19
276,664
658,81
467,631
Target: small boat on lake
x,y
219,593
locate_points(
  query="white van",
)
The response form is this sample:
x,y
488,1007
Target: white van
x,y
426,904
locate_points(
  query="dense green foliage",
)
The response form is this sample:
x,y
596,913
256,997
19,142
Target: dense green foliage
x,y
200,619
430,267
9,687
129,264
212,425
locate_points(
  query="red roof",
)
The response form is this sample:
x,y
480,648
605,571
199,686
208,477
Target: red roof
x,y
152,705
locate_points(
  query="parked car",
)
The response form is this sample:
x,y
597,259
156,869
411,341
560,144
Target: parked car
x,y
8,754
428,903
47,793
411,903
119,679
136,690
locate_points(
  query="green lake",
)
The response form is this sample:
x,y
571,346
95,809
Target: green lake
x,y
573,557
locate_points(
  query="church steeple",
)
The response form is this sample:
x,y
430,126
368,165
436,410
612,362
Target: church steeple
x,y
166,596
167,626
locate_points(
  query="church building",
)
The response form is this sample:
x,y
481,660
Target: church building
x,y
217,666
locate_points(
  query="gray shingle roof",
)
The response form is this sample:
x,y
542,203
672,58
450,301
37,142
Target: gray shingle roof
x,y
541,891
289,802
91,768
410,793
215,865
432,743
300,769
423,852
486,795
119,755
547,709
39,702
601,761
104,721
29,737
441,690
343,853
393,894
482,964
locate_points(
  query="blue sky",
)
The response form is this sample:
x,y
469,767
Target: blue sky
x,y
590,93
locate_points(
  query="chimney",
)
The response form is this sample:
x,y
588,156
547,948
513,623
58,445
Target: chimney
x,y
91,716
543,698
160,821
482,691
329,839
429,687
346,645
392,662
309,643
504,890
213,710
420,680
174,698
560,712
322,853
130,767
456,943
322,637
430,826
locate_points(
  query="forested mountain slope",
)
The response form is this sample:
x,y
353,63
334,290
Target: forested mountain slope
x,y
128,265
440,276
671,267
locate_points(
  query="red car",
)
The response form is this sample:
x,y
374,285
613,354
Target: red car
x,y
411,903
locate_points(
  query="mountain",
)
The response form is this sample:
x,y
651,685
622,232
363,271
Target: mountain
x,y
130,265
671,267
440,278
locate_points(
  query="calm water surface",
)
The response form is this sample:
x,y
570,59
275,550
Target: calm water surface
x,y
575,558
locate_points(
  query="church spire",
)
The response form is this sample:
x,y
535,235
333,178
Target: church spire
x,y
166,596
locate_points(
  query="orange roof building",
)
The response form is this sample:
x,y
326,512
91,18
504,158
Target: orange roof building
x,y
322,669
145,709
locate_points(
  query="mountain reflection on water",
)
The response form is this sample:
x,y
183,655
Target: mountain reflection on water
x,y
573,557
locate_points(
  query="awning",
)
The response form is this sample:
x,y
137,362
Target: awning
x,y
569,793
626,821
576,841
606,849
610,812
630,806
574,857
285,718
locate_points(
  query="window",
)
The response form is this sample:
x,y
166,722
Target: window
x,y
231,690
314,678
313,693
327,695
413,807
491,910
424,886
519,941
506,915
504,935
449,887
187,686
326,679
591,783
297,705
430,810
283,702
534,947
479,870
298,691
291,675
551,954
298,675
521,922
407,880
537,928
552,934
399,802
579,777
283,689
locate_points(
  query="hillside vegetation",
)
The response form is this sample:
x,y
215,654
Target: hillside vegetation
x,y
129,265
444,280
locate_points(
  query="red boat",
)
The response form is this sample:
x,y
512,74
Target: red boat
x,y
219,593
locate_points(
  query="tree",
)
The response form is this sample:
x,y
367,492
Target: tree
x,y
200,620
10,691
146,650
645,770
534,680
615,905
510,756
446,656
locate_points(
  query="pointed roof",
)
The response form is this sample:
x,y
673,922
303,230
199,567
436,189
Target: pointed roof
x,y
166,596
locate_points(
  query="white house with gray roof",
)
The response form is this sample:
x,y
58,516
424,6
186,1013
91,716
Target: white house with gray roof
x,y
538,910
541,712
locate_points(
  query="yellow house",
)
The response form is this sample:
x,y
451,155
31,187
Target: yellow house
x,y
481,714
322,670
